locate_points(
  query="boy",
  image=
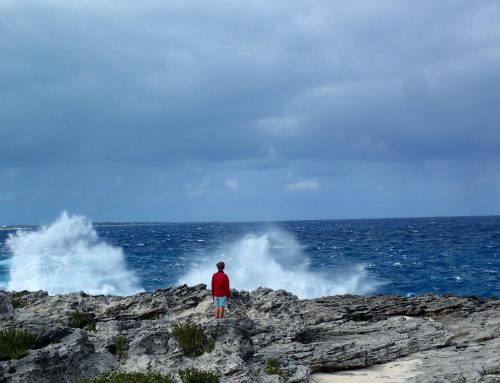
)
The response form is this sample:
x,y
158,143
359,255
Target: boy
x,y
220,290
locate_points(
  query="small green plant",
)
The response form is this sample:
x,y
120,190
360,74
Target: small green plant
x,y
111,311
78,319
118,346
191,339
193,375
130,377
17,303
16,300
152,315
273,368
15,343
91,326
21,294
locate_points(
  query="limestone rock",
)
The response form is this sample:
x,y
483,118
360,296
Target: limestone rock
x,y
456,339
6,309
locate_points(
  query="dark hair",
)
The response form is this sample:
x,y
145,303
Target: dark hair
x,y
220,265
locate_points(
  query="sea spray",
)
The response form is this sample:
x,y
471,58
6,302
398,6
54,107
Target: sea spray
x,y
276,260
68,256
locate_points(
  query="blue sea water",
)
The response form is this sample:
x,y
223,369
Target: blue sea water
x,y
408,256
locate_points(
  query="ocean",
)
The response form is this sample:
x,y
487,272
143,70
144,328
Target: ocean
x,y
406,256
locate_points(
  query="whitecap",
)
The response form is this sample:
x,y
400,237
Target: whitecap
x,y
68,256
276,260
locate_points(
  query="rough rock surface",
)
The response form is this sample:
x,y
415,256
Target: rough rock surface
x,y
456,339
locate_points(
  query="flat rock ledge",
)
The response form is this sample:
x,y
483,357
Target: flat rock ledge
x,y
455,339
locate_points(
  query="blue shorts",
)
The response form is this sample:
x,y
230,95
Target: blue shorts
x,y
220,301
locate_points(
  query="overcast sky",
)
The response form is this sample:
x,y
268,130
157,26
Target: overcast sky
x,y
248,110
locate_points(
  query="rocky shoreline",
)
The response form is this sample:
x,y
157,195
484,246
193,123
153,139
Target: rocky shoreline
x,y
455,339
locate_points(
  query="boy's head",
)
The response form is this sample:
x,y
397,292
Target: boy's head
x,y
220,266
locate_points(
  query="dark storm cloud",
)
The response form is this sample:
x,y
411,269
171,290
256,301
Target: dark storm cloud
x,y
215,82
240,91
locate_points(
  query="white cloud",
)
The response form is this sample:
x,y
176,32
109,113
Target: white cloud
x,y
232,184
304,185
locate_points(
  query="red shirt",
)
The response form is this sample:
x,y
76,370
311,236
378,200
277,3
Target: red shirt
x,y
220,285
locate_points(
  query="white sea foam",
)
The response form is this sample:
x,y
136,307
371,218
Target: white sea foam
x,y
276,260
68,256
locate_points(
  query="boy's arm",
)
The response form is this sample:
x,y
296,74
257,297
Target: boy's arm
x,y
213,276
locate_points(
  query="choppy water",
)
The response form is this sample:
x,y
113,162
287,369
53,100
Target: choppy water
x,y
309,258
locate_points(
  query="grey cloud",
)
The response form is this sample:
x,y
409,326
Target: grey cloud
x,y
357,75
269,94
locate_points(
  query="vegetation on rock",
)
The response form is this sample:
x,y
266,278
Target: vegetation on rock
x,y
15,343
191,339
20,294
131,377
111,311
78,319
273,368
118,346
16,301
193,375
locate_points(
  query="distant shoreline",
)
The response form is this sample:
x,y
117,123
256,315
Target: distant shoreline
x,y
132,223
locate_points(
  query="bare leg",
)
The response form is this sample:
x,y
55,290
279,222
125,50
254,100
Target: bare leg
x,y
219,312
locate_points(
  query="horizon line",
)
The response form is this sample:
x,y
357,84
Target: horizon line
x,y
12,226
